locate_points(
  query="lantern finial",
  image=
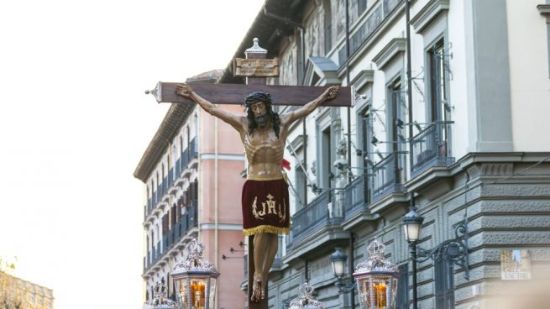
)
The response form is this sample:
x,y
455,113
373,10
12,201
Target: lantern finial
x,y
306,300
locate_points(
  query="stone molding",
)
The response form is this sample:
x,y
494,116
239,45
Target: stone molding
x,y
544,10
392,49
428,13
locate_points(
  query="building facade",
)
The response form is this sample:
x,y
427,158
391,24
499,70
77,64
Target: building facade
x,y
469,148
192,175
22,294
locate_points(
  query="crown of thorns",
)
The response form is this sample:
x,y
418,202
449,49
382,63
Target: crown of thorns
x,y
257,97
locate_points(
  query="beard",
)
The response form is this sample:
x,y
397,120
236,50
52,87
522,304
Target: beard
x,y
261,121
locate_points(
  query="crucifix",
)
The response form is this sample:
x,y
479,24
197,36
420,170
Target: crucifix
x,y
263,133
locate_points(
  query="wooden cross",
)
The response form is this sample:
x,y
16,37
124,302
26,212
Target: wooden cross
x,y
255,68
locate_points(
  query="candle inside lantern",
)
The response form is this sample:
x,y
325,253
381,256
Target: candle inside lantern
x,y
380,294
198,294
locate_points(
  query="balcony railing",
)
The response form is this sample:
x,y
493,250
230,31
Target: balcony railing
x,y
385,177
354,195
368,27
430,147
170,238
318,214
190,153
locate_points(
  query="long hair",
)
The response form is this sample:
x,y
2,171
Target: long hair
x,y
274,117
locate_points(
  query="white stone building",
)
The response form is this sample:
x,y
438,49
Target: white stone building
x,y
474,147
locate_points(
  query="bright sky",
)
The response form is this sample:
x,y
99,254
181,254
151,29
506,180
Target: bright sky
x,y
74,122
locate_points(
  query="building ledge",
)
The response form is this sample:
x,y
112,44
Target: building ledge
x,y
328,235
359,218
388,201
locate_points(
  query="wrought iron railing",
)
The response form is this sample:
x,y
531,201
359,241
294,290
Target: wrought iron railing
x,y
430,147
186,156
316,215
170,238
368,27
385,177
354,197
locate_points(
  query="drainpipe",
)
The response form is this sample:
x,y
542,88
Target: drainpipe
x,y
409,79
216,197
348,84
351,269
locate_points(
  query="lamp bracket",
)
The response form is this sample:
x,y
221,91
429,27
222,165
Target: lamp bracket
x,y
455,250
345,287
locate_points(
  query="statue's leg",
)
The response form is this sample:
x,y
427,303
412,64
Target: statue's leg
x,y
259,252
271,251
265,249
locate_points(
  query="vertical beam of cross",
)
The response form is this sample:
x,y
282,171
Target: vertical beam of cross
x,y
255,52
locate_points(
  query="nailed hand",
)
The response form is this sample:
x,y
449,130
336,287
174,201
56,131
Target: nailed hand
x,y
331,92
184,90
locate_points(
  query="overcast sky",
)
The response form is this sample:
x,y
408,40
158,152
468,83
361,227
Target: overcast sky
x,y
74,122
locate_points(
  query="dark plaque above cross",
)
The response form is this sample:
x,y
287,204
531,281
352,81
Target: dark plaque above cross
x,y
262,225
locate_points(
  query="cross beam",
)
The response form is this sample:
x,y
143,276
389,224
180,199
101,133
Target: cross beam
x,y
235,94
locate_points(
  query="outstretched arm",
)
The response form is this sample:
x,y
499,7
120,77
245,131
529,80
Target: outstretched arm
x,y
329,94
233,119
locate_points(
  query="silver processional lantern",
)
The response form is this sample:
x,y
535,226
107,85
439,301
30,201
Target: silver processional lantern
x,y
376,279
195,279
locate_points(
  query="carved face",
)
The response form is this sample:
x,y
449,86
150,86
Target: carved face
x,y
259,109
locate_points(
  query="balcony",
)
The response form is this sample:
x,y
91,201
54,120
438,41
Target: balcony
x,y
313,219
368,27
430,148
173,236
181,165
385,178
354,198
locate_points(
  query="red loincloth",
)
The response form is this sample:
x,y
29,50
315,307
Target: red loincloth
x,y
265,207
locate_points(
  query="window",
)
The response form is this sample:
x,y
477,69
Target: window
x,y
439,113
365,123
444,284
301,182
396,139
326,160
439,107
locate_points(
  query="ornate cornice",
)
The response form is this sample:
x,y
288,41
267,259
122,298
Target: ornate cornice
x,y
544,10
392,49
428,13
362,79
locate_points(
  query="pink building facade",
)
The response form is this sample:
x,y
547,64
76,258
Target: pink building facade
x,y
192,174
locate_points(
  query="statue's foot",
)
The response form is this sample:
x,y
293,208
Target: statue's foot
x,y
258,293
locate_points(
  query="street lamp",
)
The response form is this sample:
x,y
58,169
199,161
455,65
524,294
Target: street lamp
x,y
376,279
454,250
338,260
412,224
195,279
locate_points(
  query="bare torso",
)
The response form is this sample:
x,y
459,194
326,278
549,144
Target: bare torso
x,y
264,152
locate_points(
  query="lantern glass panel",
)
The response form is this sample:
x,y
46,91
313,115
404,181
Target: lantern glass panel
x,y
377,291
412,231
338,268
212,295
182,288
198,293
